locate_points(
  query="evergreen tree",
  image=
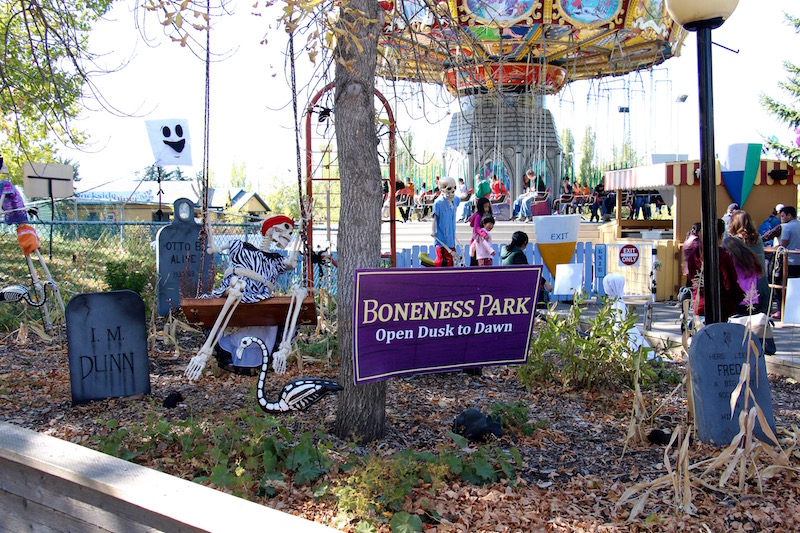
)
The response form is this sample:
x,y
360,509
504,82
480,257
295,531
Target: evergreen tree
x,y
152,172
787,112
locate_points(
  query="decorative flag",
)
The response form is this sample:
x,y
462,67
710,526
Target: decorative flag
x,y
170,141
740,169
556,236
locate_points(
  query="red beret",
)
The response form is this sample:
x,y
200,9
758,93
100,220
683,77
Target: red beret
x,y
273,221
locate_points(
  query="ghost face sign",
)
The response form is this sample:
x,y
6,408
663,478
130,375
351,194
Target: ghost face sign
x,y
170,141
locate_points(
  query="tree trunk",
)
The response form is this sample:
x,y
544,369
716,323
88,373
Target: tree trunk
x,y
361,410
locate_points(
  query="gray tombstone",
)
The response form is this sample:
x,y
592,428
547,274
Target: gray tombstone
x,y
181,257
716,357
107,346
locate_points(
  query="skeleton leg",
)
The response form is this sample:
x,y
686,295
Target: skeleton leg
x,y
279,357
39,291
51,281
198,362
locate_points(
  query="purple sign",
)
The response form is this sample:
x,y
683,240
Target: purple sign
x,y
412,321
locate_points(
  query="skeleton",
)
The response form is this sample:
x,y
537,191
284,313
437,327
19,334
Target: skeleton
x,y
251,278
297,395
18,293
13,208
447,188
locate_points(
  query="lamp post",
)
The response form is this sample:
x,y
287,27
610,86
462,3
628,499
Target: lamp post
x,y
702,17
680,100
626,130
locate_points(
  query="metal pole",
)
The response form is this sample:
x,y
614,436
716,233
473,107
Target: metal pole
x,y
708,185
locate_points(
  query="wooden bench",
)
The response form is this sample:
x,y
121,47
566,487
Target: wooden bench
x,y
269,312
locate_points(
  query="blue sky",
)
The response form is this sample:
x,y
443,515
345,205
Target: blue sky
x,y
251,116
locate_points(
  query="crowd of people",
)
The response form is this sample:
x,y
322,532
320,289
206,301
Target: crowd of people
x,y
743,271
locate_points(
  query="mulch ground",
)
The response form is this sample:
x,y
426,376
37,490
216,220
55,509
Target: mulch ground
x,y
574,469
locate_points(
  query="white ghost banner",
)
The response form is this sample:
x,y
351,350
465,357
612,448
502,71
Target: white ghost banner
x,y
170,141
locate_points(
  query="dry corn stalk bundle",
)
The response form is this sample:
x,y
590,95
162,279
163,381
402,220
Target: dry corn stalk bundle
x,y
753,459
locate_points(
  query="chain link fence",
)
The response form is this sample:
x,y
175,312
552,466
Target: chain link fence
x,y
95,256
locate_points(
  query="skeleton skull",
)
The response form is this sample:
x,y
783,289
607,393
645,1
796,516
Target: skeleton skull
x,y
448,188
277,230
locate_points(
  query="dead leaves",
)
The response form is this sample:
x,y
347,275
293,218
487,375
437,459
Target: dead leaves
x,y
575,477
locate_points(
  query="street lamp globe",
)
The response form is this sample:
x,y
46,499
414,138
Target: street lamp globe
x,y
696,14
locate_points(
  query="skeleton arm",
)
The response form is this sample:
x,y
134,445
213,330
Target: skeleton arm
x,y
211,247
294,249
279,357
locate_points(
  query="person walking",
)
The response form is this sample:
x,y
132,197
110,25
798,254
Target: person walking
x,y
790,239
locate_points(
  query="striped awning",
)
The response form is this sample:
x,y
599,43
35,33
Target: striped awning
x,y
686,173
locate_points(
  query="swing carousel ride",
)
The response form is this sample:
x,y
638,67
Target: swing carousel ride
x,y
517,45
500,58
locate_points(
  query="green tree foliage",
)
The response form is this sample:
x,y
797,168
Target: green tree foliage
x,y
568,144
239,175
587,169
405,151
152,172
44,72
787,112
211,177
626,156
281,197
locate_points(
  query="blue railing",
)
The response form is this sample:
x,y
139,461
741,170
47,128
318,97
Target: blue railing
x,y
593,257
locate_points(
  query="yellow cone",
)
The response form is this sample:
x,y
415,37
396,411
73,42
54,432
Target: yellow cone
x,y
556,236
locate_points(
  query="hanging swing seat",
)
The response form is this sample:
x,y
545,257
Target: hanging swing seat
x,y
269,312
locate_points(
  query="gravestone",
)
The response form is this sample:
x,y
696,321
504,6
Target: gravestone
x,y
716,357
181,257
107,346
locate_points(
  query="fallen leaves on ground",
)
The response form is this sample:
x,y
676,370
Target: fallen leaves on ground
x,y
573,472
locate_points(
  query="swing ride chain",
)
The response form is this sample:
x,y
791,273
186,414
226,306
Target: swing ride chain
x,y
304,208
204,236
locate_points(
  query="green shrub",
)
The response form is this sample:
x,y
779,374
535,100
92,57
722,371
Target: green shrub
x,y
584,353
120,275
514,418
248,453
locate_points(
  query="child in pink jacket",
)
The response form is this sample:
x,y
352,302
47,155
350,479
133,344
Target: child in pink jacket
x,y
481,245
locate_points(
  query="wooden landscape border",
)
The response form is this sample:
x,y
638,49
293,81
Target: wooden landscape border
x,y
50,485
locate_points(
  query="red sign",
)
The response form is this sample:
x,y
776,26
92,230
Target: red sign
x,y
629,255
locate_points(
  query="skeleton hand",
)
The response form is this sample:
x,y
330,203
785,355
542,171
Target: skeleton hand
x,y
279,357
195,367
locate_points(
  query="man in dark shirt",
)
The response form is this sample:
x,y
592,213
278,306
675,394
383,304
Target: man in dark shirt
x,y
599,196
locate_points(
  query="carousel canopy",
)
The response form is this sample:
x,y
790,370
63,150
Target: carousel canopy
x,y
474,46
